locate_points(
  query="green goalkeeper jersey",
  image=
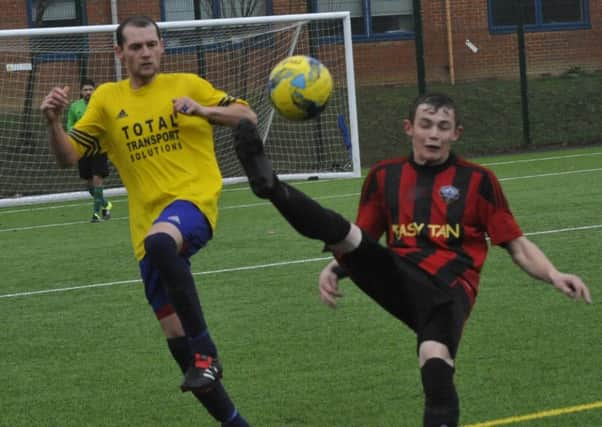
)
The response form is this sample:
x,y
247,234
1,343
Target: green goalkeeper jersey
x,y
160,156
76,111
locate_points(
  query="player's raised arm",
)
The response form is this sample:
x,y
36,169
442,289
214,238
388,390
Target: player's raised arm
x,y
228,115
52,106
532,260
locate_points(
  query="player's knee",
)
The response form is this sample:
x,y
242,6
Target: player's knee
x,y
431,349
441,398
159,246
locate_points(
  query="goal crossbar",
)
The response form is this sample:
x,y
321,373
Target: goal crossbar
x,y
235,54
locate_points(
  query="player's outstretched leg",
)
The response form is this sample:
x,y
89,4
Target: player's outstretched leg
x,y
249,149
306,216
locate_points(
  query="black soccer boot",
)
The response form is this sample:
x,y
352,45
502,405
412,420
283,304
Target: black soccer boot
x,y
202,374
249,150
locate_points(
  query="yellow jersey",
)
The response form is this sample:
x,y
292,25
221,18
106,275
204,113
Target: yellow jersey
x,y
160,156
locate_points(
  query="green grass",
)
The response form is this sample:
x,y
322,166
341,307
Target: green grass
x,y
95,356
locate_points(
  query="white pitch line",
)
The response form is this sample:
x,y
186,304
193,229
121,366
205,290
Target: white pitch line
x,y
543,175
563,230
247,268
541,159
34,207
62,224
252,205
128,282
247,205
227,190
45,208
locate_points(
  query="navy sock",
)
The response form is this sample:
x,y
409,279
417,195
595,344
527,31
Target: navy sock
x,y
442,407
203,344
216,401
177,278
307,216
236,421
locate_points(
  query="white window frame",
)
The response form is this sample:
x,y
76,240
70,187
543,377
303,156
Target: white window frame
x,y
59,13
186,10
365,12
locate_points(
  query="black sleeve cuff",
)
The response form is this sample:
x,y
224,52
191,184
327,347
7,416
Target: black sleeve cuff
x,y
341,272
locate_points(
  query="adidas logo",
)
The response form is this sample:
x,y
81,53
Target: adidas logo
x,y
122,114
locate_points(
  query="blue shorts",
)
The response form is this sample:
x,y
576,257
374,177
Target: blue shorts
x,y
196,232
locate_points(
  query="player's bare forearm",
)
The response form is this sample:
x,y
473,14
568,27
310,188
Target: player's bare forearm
x,y
60,146
229,115
533,261
52,106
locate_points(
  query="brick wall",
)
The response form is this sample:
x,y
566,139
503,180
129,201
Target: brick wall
x,y
391,62
551,52
14,14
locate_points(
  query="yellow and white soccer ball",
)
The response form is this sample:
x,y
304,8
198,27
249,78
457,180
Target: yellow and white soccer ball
x,y
300,87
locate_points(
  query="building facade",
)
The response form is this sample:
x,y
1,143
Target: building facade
x,y
463,39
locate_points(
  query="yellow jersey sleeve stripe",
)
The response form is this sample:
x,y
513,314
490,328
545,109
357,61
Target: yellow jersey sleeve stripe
x,y
227,100
90,143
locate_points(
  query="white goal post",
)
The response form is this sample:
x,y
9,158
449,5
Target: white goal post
x,y
235,54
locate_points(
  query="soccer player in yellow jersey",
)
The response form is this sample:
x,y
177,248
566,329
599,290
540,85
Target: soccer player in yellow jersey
x,y
157,130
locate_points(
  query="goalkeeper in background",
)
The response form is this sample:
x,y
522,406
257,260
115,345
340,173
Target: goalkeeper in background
x,y
157,129
435,210
92,169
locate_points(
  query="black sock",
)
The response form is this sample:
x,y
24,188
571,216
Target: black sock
x,y
442,406
216,401
177,278
307,216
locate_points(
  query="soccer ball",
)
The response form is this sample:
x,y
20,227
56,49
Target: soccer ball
x,y
299,87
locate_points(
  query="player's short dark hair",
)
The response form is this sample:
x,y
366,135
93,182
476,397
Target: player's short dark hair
x,y
87,82
139,21
435,100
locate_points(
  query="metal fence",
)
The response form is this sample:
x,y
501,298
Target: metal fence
x,y
522,81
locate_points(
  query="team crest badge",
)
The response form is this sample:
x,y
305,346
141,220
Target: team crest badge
x,y
449,193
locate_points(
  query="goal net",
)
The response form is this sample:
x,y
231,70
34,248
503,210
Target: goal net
x,y
235,55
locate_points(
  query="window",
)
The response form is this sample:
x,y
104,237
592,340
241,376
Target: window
x,y
372,19
538,15
181,10
57,13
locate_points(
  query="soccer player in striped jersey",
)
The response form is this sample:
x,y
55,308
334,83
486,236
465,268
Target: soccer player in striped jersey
x,y
436,211
157,130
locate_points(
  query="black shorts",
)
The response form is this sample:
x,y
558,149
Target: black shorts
x,y
433,311
97,165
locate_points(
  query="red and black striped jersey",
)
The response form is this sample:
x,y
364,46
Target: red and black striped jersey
x,y
437,217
